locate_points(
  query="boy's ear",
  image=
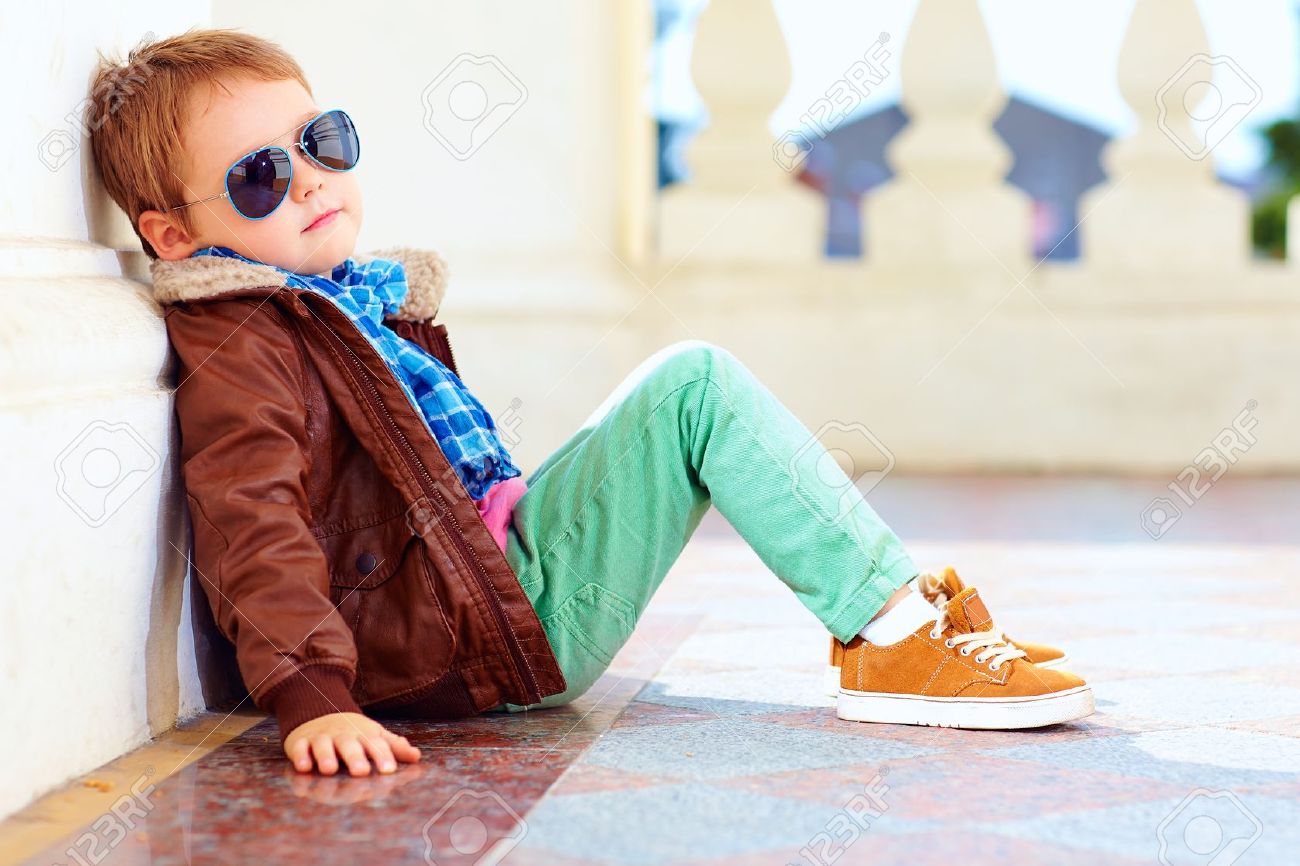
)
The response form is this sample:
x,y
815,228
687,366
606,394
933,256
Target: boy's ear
x,y
169,240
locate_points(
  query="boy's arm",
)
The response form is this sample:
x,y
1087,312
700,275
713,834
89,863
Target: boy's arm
x,y
246,454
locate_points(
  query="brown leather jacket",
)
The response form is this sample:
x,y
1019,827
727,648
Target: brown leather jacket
x,y
339,552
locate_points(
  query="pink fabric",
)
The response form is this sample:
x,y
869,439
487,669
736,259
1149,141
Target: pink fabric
x,y
497,503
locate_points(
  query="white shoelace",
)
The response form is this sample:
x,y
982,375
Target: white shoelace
x,y
991,645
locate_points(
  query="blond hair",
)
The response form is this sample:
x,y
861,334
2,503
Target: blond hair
x,y
137,110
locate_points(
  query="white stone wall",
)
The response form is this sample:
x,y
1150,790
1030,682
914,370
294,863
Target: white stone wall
x,y
96,643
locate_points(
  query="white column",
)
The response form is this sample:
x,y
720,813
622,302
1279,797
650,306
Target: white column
x,y
96,650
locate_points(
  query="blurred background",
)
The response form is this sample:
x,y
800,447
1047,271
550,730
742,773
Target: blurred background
x,y
1023,266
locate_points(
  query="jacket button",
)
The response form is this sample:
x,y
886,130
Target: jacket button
x,y
366,563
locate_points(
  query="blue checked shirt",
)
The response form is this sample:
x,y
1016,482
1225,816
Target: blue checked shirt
x,y
463,429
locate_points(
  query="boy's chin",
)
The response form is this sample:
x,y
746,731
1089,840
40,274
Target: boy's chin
x,y
323,259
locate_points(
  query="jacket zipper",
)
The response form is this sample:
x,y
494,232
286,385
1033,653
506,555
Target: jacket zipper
x,y
413,461
446,345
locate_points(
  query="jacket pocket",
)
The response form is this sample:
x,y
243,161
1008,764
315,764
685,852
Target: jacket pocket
x,y
383,585
366,556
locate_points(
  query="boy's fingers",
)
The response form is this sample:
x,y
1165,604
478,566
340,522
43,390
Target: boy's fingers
x,y
402,748
300,754
353,755
378,749
322,747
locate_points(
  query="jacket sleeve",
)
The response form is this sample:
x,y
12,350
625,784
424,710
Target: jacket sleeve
x,y
246,455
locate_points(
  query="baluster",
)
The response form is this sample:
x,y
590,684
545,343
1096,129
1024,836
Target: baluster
x,y
1162,207
947,202
739,203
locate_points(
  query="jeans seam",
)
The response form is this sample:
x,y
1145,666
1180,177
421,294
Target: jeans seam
x,y
614,464
571,624
873,569
872,563
872,585
600,602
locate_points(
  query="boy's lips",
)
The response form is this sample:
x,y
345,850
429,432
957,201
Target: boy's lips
x,y
324,219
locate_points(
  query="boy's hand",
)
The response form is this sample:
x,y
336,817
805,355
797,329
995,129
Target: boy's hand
x,y
356,738
342,790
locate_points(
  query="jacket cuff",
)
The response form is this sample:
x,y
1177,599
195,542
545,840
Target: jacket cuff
x,y
314,691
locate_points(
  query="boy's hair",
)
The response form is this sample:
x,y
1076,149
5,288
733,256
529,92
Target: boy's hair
x,y
137,110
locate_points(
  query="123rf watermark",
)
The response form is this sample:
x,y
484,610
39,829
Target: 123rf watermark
x,y
126,815
1195,479
472,827
61,145
103,467
469,101
1208,828
1215,95
819,475
857,816
839,101
423,515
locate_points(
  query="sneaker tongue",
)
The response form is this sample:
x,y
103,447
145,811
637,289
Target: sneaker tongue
x,y
967,613
952,585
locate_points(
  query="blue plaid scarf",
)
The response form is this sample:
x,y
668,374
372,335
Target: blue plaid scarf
x,y
463,429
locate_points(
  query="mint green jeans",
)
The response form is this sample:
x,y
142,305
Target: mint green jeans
x,y
608,513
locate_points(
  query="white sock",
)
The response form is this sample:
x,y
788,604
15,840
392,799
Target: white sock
x,y
900,620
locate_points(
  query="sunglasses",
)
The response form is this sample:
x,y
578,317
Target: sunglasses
x,y
258,182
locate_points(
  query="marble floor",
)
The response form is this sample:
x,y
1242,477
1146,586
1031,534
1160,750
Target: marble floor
x,y
709,742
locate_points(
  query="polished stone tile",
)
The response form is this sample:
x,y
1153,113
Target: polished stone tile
x,y
761,648
952,787
739,691
679,824
728,747
642,713
709,741
1195,700
1194,829
247,805
1196,757
1286,726
1229,749
1182,652
941,739
939,847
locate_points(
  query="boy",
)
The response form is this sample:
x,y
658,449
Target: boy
x,y
360,531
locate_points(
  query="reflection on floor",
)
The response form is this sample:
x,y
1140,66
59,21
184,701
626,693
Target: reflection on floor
x,y
709,742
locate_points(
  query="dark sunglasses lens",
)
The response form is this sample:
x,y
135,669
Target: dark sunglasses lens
x,y
258,182
332,141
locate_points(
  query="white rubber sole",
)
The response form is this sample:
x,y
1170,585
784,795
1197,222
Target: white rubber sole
x,y
831,681
831,676
979,713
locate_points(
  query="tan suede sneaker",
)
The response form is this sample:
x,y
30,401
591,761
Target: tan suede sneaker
x,y
937,589
956,672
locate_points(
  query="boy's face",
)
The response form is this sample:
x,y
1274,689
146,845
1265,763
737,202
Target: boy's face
x,y
314,228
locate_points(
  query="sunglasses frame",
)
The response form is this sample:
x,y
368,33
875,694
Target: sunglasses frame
x,y
301,144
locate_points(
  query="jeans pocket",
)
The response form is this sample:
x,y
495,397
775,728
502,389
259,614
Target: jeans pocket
x,y
595,619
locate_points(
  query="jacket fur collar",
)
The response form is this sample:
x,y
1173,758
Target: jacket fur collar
x,y
204,277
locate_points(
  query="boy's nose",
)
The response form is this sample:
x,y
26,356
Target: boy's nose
x,y
308,177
